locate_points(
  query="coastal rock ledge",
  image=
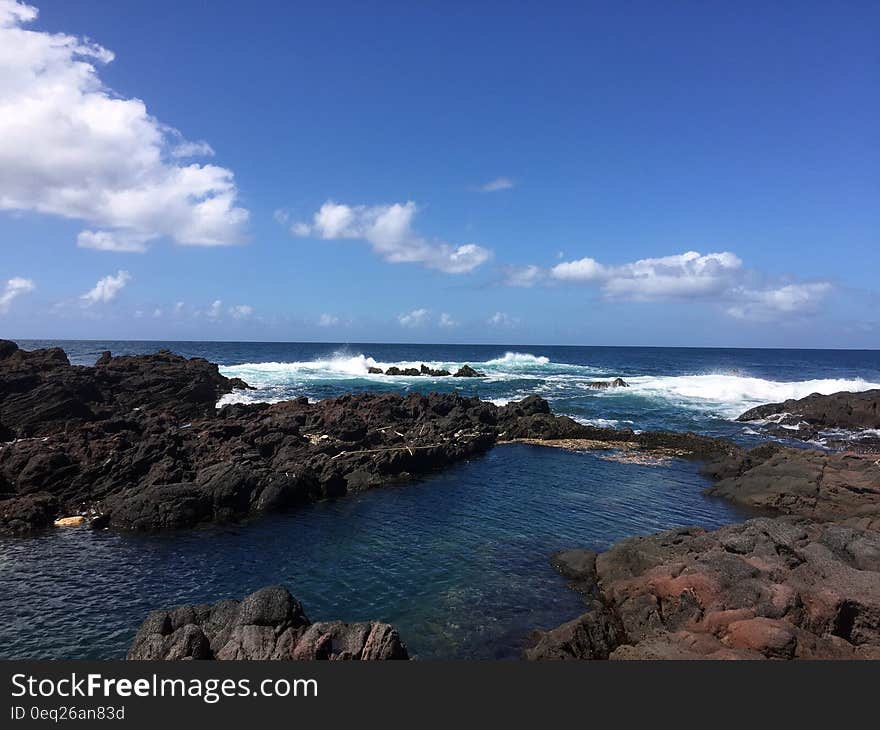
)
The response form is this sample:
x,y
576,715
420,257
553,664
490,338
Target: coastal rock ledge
x,y
782,588
267,624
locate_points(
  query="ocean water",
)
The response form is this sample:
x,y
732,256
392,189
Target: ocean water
x,y
459,561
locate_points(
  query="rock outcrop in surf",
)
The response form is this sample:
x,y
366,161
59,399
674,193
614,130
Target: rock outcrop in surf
x,y
811,418
269,624
466,371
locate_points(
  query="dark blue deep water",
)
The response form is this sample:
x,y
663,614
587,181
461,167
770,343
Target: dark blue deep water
x,y
459,560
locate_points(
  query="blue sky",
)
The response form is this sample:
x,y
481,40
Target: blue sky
x,y
586,173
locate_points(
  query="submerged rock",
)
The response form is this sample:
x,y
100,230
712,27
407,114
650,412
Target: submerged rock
x,y
267,624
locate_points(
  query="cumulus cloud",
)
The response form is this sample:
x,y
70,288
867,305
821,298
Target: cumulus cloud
x,y
689,274
70,146
501,319
215,310
415,318
446,320
499,183
768,304
388,229
328,320
523,276
716,277
107,288
241,311
17,285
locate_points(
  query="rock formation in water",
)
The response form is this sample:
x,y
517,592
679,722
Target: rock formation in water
x,y
783,588
807,418
606,384
267,624
423,370
466,371
136,442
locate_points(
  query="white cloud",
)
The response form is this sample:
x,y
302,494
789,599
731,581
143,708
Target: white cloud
x,y
415,318
70,146
388,230
17,285
501,319
585,269
328,320
215,310
689,274
446,320
123,241
241,311
523,276
715,277
107,288
768,304
499,183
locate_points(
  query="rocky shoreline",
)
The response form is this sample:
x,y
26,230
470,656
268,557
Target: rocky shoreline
x,y
136,443
801,585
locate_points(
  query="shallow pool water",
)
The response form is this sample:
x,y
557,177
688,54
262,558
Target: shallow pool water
x,y
457,561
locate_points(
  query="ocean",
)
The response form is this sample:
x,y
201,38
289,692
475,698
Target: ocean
x,y
458,561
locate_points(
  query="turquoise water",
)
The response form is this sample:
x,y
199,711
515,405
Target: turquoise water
x,y
458,561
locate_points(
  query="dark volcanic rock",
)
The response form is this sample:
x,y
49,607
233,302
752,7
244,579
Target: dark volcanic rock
x,y
466,371
267,624
425,370
816,484
372,370
853,411
778,588
42,393
606,384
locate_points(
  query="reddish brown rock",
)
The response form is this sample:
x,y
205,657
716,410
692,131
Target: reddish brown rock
x,y
770,588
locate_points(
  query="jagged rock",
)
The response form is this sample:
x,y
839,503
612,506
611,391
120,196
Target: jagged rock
x,y
434,373
372,370
466,371
267,624
839,410
42,393
816,484
775,588
606,384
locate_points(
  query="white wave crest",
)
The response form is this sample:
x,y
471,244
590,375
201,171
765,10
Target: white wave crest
x,y
732,394
517,360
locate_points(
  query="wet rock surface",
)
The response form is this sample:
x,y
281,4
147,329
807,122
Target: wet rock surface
x,y
269,624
